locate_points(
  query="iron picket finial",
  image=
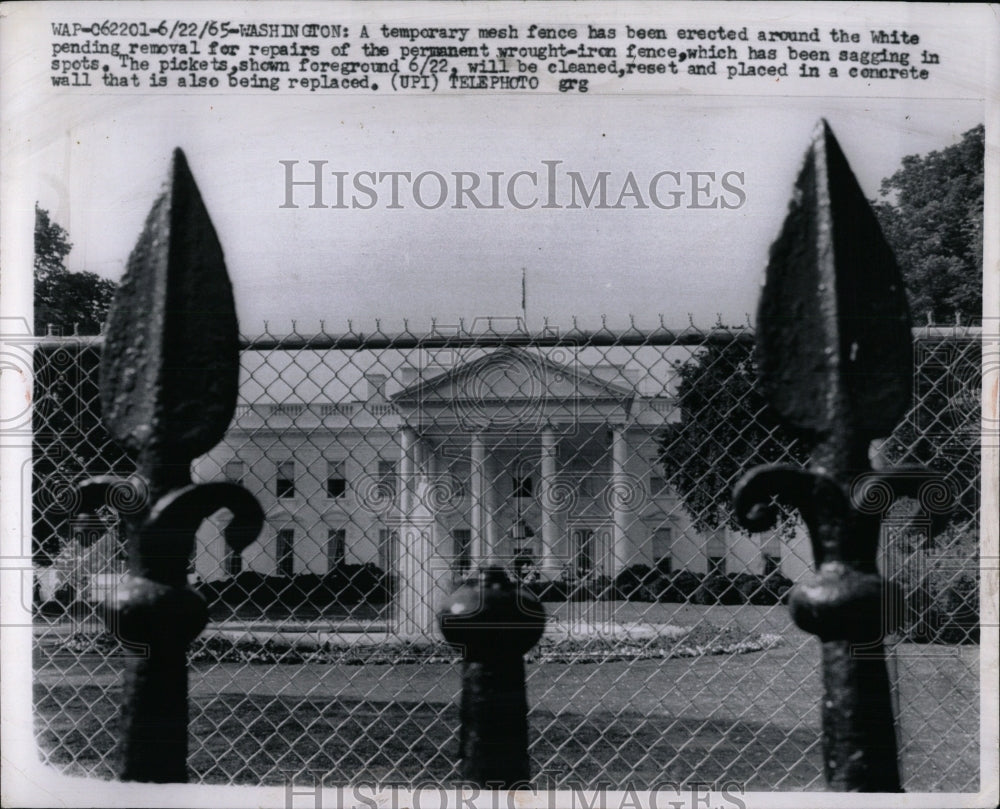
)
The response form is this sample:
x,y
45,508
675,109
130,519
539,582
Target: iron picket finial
x,y
168,381
835,358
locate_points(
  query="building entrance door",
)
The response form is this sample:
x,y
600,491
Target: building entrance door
x,y
583,550
590,548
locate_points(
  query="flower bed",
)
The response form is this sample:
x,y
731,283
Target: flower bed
x,y
579,646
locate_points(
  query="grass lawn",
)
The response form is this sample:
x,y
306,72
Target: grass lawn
x,y
752,718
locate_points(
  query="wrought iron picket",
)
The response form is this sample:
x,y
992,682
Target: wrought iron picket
x,y
330,596
169,378
836,363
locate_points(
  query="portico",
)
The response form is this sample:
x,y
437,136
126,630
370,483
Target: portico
x,y
525,454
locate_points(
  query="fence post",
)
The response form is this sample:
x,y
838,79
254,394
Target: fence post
x,y
835,355
493,623
169,379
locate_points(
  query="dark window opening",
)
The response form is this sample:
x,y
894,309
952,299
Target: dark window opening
x,y
336,547
584,541
462,549
387,477
284,486
286,558
336,479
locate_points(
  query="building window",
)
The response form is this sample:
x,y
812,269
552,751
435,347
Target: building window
x,y
662,547
657,486
583,540
387,476
522,486
770,552
233,471
284,487
234,563
716,553
336,479
387,543
285,554
461,539
336,547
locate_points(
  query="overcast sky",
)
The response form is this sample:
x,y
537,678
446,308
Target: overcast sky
x,y
106,166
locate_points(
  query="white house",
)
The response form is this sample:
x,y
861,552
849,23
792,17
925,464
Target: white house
x,y
428,463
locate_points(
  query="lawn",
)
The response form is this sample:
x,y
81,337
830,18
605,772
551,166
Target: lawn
x,y
752,717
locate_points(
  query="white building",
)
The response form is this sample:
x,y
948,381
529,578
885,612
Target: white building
x,y
428,463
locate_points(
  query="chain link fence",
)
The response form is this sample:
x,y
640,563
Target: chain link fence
x,y
596,468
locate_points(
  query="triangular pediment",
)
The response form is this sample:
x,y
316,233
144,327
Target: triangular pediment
x,y
512,375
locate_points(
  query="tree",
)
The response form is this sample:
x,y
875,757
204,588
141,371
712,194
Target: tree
x,y
69,444
931,211
725,429
70,300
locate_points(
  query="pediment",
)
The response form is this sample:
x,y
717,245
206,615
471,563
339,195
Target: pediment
x,y
512,375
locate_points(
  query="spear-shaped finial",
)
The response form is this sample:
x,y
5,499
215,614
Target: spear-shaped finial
x,y
169,378
834,326
836,364
170,367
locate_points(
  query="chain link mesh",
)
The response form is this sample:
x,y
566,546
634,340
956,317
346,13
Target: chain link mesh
x,y
597,468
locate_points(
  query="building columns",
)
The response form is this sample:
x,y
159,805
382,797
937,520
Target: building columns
x,y
619,497
407,469
477,500
413,608
491,537
550,533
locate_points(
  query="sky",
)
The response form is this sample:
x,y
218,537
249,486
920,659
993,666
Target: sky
x,y
109,162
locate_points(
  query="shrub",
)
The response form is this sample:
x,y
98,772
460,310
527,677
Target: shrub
x,y
549,591
679,586
51,609
750,589
777,585
345,584
939,578
943,607
601,588
243,588
638,583
716,588
65,594
365,582
762,590
304,589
